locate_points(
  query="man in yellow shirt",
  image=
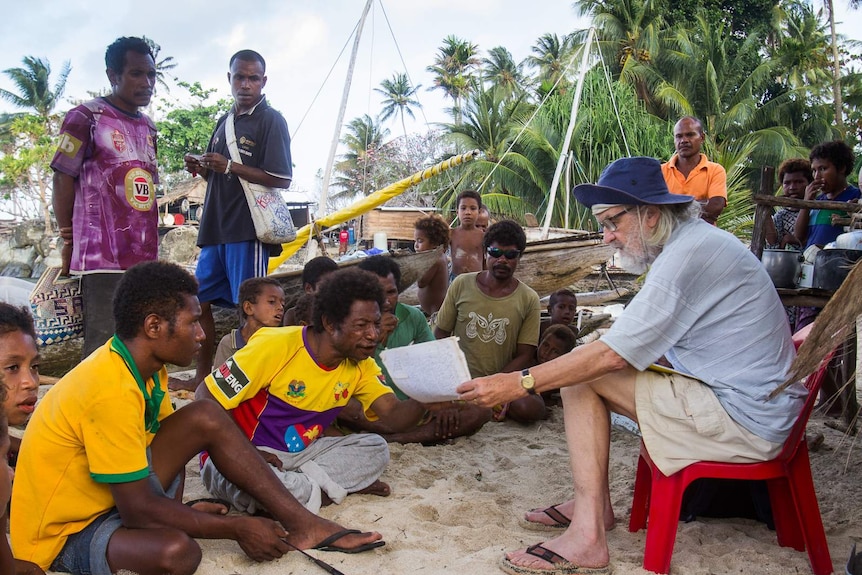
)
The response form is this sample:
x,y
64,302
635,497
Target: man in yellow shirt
x,y
690,173
99,481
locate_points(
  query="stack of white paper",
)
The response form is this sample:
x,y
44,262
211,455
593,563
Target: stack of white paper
x,y
428,371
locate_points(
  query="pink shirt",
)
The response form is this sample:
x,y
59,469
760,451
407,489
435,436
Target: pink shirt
x,y
112,156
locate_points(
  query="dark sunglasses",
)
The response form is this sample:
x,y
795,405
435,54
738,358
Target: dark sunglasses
x,y
508,254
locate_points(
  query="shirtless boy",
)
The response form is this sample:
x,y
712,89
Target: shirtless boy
x,y
466,248
430,232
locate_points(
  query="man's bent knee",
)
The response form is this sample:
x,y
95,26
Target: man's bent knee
x,y
180,555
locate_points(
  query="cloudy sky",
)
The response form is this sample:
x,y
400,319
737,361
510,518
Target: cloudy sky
x,y
301,41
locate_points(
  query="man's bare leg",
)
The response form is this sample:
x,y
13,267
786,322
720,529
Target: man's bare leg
x,y
205,426
587,420
471,420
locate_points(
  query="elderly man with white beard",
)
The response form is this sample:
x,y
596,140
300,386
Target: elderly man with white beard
x,y
709,308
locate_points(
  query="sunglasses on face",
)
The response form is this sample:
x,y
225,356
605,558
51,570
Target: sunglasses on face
x,y
508,254
610,223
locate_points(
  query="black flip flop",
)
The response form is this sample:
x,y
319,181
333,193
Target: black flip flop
x,y
327,544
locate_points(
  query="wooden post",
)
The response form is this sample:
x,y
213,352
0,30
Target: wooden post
x,y
761,211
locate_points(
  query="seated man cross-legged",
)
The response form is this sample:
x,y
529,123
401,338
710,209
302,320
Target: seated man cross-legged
x,y
99,481
288,384
715,317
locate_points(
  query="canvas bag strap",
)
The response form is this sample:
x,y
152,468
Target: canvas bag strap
x,y
230,135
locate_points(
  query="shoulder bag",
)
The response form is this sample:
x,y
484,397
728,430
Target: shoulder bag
x,y
269,212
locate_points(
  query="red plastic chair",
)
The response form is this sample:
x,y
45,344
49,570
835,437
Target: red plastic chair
x,y
791,493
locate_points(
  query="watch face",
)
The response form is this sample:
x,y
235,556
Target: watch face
x,y
528,381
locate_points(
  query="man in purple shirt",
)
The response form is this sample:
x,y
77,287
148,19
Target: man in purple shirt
x,y
104,176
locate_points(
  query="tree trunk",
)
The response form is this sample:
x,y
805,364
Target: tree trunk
x,y
836,71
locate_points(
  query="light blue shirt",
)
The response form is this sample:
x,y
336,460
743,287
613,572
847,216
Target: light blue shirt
x,y
709,306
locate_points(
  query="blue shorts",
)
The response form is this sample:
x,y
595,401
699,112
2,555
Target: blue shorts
x,y
86,552
222,268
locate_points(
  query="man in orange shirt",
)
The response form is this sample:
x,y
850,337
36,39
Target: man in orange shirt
x,y
691,173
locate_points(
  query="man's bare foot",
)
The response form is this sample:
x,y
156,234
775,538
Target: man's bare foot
x,y
210,505
178,384
559,516
312,536
377,488
591,557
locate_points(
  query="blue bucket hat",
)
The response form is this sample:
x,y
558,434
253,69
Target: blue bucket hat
x,y
629,181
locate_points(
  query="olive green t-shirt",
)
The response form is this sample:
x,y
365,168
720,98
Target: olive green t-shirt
x,y
489,329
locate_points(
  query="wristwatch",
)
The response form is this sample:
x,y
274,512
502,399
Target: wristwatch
x,y
528,382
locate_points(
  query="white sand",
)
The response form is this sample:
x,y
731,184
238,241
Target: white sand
x,y
456,509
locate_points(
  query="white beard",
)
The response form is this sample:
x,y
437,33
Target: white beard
x,y
637,260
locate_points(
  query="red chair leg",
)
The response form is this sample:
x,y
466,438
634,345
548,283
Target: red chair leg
x,y
641,499
787,527
665,503
805,501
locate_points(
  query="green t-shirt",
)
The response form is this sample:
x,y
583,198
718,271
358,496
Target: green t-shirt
x,y
412,328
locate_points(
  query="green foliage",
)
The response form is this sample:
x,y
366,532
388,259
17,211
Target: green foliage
x,y
188,129
34,87
25,172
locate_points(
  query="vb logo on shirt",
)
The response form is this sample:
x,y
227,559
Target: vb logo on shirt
x,y
140,192
230,379
69,145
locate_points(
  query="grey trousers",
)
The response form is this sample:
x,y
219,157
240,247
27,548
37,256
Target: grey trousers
x,y
332,465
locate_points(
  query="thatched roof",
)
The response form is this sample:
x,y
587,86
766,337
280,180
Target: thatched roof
x,y
194,189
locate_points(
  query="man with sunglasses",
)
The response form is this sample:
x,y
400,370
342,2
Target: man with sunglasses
x,y
496,317
707,306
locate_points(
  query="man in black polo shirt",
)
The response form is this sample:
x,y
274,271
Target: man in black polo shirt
x,y
230,251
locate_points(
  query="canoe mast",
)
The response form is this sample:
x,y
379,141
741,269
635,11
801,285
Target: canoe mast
x,y
365,204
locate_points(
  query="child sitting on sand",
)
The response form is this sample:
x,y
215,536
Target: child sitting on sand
x,y
261,305
562,307
465,241
558,340
19,360
430,232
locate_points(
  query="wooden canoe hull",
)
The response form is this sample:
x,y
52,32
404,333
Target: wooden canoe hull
x,y
549,265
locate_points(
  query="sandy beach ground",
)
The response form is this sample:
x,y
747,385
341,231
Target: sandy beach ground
x,y
455,509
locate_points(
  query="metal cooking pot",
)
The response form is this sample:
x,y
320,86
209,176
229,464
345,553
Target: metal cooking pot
x,y
783,267
832,266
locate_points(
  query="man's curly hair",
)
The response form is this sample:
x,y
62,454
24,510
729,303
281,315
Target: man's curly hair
x,y
339,290
435,228
506,233
14,318
151,288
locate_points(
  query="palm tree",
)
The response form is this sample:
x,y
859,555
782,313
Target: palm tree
x,y
500,69
508,182
162,65
364,137
452,70
34,87
399,98
627,29
550,57
802,49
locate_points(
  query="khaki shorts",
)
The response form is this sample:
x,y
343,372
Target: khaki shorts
x,y
682,422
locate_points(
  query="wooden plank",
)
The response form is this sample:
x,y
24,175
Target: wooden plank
x,y
810,204
762,211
